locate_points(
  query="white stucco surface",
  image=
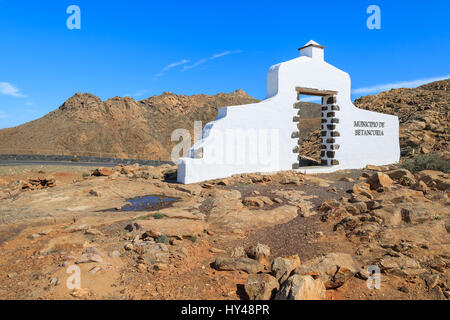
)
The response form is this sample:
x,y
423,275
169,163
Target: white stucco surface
x,y
258,137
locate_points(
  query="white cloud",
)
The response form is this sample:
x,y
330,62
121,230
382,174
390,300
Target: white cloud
x,y
170,66
8,89
224,53
137,94
214,56
396,85
3,115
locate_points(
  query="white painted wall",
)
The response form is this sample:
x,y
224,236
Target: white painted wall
x,y
274,117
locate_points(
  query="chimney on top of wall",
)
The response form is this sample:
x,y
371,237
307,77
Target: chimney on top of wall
x,y
312,50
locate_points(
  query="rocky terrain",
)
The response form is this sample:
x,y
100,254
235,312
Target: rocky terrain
x,y
133,233
423,113
118,127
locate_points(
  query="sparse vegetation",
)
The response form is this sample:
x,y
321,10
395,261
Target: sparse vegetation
x,y
158,216
162,239
75,159
430,161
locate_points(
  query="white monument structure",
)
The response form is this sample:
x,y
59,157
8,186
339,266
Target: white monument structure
x,y
263,137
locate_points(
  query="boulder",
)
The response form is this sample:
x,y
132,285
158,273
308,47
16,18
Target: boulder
x,y
258,252
282,267
361,188
99,172
439,179
300,287
379,180
266,200
253,202
401,175
129,168
245,264
328,205
261,286
90,254
334,269
421,186
415,214
391,215
400,265
237,252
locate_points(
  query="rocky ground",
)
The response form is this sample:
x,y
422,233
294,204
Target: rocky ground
x,y
272,236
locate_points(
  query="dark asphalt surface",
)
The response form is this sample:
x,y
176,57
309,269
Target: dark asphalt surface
x,y
56,163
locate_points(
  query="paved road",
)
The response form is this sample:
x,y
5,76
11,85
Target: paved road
x,y
56,163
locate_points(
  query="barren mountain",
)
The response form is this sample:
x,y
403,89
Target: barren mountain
x,y
118,127
423,113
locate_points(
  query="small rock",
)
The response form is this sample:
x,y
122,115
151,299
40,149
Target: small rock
x,y
77,227
95,269
90,254
259,252
141,267
238,252
160,266
244,264
128,246
94,193
432,280
94,232
333,268
54,282
80,293
403,289
282,267
421,186
114,254
253,201
216,250
45,232
102,172
277,200
261,286
301,288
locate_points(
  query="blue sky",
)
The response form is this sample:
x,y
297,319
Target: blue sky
x,y
141,48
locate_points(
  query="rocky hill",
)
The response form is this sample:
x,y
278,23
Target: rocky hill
x,y
118,127
423,114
